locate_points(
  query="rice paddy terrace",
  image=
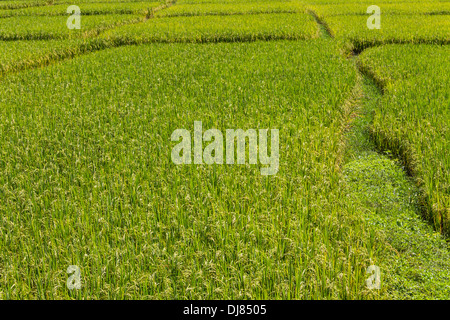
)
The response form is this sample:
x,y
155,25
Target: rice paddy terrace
x,y
89,102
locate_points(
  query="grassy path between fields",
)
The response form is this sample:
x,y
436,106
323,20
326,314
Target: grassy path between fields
x,y
416,261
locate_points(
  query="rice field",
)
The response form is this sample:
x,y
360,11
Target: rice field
x,y
230,28
400,23
401,8
19,55
209,9
54,27
21,4
108,196
400,29
87,177
88,9
413,119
